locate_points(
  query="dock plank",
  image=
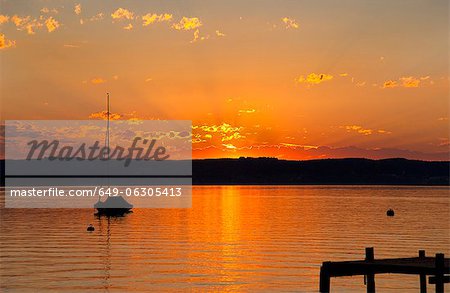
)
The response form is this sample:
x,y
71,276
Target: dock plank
x,y
437,267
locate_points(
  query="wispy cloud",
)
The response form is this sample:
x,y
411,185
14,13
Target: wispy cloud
x,y
314,78
26,23
229,146
98,80
3,19
47,10
128,27
122,13
77,9
71,46
364,131
198,37
302,146
103,115
51,24
20,21
290,23
222,133
150,18
220,34
390,84
187,23
408,82
444,142
97,17
5,43
247,111
30,25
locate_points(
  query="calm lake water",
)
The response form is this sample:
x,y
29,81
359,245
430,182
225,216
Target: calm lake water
x,y
235,238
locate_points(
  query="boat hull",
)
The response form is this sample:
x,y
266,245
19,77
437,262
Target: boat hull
x,y
113,206
113,211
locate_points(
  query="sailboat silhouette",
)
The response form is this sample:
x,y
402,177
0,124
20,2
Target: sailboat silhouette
x,y
113,205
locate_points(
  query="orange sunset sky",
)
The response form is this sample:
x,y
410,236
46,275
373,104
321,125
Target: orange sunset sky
x,y
286,79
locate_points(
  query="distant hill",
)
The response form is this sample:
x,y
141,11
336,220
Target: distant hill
x,y
327,171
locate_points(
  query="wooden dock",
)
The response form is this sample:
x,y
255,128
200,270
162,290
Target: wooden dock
x,y
437,268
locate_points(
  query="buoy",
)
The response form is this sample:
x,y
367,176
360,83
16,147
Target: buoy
x,y
90,228
390,213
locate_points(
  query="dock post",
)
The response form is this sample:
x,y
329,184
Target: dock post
x,y
439,263
423,277
370,277
324,286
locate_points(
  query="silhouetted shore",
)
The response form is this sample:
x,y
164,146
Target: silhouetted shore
x,y
326,171
270,171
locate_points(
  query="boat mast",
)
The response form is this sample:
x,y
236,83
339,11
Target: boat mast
x,y
107,125
107,134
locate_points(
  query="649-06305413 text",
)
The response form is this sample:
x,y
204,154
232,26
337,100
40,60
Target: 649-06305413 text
x,y
97,191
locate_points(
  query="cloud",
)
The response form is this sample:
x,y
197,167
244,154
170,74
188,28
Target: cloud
x,y
410,81
149,18
290,23
364,131
31,26
197,37
98,16
248,111
343,74
444,142
314,78
103,115
220,34
5,43
98,80
221,128
128,27
187,23
122,13
25,23
305,147
3,19
235,135
51,24
148,79
47,10
70,46
390,84
20,21
77,9
221,133
229,146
